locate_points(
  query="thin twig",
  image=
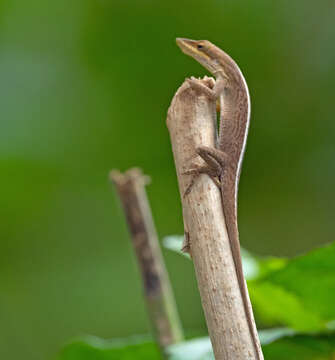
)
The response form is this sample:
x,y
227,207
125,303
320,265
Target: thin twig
x,y
192,122
157,289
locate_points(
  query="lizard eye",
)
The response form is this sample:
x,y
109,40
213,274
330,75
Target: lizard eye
x,y
199,46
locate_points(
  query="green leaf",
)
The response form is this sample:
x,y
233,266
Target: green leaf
x,y
93,348
195,349
306,347
270,335
301,294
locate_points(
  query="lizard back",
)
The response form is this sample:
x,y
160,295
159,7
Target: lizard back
x,y
234,126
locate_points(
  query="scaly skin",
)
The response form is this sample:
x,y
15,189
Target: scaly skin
x,y
223,163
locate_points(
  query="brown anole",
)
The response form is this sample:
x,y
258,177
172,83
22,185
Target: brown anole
x,y
223,163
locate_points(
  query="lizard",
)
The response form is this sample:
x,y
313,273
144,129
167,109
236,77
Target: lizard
x,y
223,162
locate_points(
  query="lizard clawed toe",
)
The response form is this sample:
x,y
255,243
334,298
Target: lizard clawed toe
x,y
197,85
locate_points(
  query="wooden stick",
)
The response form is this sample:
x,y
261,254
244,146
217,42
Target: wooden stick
x,y
157,289
192,122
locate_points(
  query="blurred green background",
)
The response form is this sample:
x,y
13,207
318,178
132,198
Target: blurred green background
x,y
85,87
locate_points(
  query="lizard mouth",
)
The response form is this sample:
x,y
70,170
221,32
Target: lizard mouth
x,y
186,45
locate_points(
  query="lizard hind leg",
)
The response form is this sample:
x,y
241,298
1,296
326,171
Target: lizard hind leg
x,y
215,158
196,171
215,162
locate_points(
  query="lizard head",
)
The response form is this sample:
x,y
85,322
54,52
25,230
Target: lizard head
x,y
206,53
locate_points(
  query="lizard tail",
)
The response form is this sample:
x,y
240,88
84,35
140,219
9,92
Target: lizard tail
x,y
230,214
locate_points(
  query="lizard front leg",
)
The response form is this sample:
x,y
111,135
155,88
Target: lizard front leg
x,y
199,86
213,92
